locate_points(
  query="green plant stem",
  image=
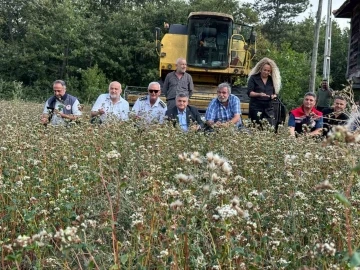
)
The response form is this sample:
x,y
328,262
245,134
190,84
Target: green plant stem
x,y
113,229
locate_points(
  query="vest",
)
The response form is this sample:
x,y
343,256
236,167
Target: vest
x,y
65,100
302,119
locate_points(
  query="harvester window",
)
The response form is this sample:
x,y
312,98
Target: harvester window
x,y
208,42
209,38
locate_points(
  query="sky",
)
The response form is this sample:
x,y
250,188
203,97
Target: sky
x,y
335,5
313,9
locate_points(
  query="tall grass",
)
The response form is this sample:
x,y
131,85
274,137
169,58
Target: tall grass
x,y
116,196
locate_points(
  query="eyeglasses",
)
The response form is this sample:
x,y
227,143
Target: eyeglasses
x,y
154,91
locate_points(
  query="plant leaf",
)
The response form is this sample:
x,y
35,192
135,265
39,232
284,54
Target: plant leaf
x,y
355,259
341,198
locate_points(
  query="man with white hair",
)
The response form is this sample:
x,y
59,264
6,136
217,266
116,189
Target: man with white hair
x,y
111,105
177,82
151,108
224,110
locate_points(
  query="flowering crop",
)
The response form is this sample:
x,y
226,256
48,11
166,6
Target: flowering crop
x,y
115,195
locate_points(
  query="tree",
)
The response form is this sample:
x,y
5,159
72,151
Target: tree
x,y
277,16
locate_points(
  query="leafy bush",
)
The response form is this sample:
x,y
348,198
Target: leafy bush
x,y
94,82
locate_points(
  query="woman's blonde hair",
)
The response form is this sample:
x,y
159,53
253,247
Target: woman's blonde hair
x,y
275,73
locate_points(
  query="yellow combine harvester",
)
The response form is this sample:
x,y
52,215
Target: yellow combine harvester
x,y
216,50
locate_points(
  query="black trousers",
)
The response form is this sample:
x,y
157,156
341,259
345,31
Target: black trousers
x,y
258,112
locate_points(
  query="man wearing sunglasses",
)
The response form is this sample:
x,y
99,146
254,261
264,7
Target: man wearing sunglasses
x,y
151,108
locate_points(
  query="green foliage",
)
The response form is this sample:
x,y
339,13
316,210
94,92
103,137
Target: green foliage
x,y
93,83
45,40
12,90
277,16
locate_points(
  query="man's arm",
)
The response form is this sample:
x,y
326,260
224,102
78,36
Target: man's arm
x,y
196,115
318,127
165,87
162,115
236,109
136,108
210,113
330,91
66,116
97,109
45,115
126,110
291,124
191,86
76,109
235,119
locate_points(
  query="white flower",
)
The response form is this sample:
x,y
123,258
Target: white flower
x,y
216,217
182,177
73,166
211,165
226,211
226,167
217,159
235,201
113,154
163,253
289,159
171,192
206,188
249,205
210,156
214,177
175,205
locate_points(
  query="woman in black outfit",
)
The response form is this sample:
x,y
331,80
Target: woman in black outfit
x,y
263,86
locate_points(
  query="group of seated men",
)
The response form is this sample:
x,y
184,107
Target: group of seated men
x,y
224,110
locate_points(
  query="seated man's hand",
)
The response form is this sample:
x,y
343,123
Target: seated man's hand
x,y
44,119
195,127
222,125
101,111
58,113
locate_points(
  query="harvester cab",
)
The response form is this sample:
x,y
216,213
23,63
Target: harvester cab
x,y
216,49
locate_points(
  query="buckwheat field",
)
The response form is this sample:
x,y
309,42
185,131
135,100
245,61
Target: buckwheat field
x,y
119,196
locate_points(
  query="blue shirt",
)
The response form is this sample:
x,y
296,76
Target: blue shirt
x,y
182,120
217,112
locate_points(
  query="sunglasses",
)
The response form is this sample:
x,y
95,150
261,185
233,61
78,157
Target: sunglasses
x,y
154,91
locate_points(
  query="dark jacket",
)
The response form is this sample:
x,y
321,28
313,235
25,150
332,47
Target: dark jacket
x,y
192,115
331,120
256,85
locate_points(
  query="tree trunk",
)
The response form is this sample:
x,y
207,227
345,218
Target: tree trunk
x,y
315,48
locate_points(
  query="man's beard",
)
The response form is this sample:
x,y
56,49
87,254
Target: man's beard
x,y
181,71
114,96
222,100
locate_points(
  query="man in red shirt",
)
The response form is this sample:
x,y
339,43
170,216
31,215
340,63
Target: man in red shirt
x,y
306,119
